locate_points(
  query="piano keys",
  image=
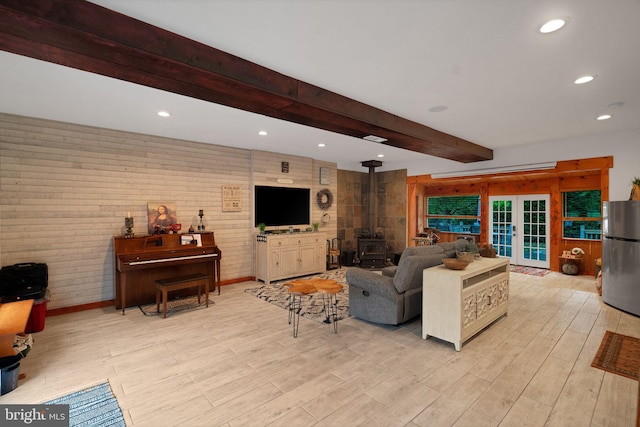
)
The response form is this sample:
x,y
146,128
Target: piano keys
x,y
140,261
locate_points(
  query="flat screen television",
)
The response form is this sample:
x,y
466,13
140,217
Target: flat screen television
x,y
277,206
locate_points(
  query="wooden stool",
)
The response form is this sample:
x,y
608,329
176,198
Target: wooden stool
x,y
329,290
164,286
297,289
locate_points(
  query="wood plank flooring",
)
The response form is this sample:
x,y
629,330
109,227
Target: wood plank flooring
x,y
237,364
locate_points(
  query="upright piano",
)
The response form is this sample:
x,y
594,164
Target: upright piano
x,y
140,261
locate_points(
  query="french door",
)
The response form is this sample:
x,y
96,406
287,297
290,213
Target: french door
x,y
519,228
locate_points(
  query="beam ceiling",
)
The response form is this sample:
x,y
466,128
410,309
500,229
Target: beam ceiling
x,y
91,38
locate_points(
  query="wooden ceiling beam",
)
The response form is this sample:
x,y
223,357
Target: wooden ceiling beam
x,y
92,38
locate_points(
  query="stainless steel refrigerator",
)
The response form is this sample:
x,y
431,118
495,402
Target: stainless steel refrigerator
x,y
621,255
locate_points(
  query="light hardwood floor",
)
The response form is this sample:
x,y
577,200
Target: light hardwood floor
x,y
237,364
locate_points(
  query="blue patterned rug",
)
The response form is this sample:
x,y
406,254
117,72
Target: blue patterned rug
x,y
94,406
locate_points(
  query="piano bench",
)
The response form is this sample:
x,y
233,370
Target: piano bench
x,y
164,286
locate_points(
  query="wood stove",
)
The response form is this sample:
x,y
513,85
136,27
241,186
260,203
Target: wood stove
x,y
372,252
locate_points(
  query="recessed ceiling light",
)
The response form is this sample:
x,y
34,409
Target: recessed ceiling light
x,y
584,79
551,26
322,144
263,133
604,117
164,114
380,155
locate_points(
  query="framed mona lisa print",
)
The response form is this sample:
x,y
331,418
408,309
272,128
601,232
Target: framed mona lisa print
x,y
161,215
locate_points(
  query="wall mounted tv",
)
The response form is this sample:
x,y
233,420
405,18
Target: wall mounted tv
x,y
277,206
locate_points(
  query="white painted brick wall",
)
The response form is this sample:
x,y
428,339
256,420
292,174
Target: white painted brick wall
x,y
65,190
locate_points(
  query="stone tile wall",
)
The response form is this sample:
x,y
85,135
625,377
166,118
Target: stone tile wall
x,y
353,195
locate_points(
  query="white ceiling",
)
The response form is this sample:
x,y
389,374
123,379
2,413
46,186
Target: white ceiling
x,y
504,83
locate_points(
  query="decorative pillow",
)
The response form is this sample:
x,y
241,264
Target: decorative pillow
x,y
423,250
409,272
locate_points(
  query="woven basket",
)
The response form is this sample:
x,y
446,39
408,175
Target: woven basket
x,y
455,263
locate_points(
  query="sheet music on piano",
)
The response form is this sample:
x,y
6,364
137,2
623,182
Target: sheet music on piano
x,y
191,239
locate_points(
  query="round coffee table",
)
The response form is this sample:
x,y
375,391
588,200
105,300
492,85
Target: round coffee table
x,y
329,290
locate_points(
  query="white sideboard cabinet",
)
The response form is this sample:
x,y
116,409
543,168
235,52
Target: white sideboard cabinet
x,y
457,304
281,256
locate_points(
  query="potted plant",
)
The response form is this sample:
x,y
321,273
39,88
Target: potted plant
x,y
635,189
315,226
466,249
262,226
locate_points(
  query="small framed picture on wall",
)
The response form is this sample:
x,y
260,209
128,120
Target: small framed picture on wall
x,y
325,176
231,198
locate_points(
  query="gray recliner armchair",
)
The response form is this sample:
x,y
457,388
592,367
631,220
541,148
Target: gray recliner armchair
x,y
395,296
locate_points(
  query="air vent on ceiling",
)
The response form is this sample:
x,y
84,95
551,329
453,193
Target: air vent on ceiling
x,y
374,138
